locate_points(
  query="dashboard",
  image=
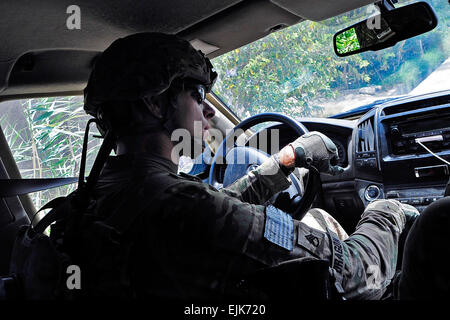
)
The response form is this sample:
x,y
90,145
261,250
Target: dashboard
x,y
383,152
383,155
393,150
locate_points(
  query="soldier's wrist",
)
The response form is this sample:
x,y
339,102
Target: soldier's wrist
x,y
286,170
286,156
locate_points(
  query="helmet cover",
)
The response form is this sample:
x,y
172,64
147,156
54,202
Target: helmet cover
x,y
144,65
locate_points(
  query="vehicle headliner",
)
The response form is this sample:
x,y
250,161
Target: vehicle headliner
x,y
40,56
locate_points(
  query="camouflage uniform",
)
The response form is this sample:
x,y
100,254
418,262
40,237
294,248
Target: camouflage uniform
x,y
193,238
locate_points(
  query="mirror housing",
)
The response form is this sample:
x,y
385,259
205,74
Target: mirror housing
x,y
386,29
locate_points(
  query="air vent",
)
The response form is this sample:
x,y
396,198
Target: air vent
x,y
413,105
366,136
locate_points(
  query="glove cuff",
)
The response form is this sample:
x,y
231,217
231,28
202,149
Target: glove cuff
x,y
301,159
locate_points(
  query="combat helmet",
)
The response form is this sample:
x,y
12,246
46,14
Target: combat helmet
x,y
144,65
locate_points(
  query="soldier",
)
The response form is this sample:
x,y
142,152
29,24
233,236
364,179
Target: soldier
x,y
192,240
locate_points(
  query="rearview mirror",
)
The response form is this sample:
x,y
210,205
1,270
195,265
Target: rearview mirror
x,y
386,29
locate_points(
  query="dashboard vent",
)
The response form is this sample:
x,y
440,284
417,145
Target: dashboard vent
x,y
366,136
413,105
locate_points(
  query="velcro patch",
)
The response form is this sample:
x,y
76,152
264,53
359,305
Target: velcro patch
x,y
311,239
279,228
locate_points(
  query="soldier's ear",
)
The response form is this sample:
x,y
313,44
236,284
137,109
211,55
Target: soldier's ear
x,y
153,107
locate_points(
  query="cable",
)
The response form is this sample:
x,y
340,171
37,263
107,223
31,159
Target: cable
x,y
431,152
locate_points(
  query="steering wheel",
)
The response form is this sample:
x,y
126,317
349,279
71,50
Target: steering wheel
x,y
240,160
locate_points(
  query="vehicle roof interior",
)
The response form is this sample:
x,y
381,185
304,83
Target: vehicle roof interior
x,y
41,56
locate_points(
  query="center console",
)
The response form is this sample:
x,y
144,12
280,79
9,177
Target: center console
x,y
390,156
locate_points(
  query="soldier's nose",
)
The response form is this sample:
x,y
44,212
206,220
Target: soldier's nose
x,y
208,111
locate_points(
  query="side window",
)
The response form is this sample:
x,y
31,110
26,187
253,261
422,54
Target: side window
x,y
46,138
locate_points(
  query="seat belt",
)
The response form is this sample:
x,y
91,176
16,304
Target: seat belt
x,y
15,187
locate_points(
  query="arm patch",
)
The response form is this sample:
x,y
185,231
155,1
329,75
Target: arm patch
x,y
279,228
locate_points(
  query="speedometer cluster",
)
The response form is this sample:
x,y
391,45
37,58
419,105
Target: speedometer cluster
x,y
341,152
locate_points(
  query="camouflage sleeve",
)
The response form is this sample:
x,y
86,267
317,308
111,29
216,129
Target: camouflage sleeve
x,y
231,237
259,185
370,253
364,263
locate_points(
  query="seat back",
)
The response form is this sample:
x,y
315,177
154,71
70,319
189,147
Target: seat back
x,y
293,281
12,216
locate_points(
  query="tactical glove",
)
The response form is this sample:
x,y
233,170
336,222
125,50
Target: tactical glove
x,y
317,150
410,212
411,215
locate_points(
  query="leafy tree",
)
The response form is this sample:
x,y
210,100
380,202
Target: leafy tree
x,y
46,141
293,70
347,41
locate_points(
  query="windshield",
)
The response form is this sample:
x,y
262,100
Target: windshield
x,y
296,72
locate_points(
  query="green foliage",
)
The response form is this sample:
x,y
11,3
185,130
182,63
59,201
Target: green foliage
x,y
347,41
294,70
409,74
46,141
433,58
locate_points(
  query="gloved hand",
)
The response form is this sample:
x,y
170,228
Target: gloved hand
x,y
410,212
312,149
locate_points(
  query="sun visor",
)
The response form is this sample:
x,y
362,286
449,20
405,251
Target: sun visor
x,y
205,47
239,25
50,71
318,10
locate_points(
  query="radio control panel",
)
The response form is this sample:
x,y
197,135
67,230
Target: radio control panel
x,y
433,130
419,198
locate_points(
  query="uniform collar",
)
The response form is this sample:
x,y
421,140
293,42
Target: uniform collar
x,y
133,161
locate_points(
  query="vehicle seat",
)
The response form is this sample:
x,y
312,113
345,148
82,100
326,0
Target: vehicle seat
x,y
12,216
425,258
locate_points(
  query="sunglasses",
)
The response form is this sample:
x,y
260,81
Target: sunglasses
x,y
198,92
196,89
